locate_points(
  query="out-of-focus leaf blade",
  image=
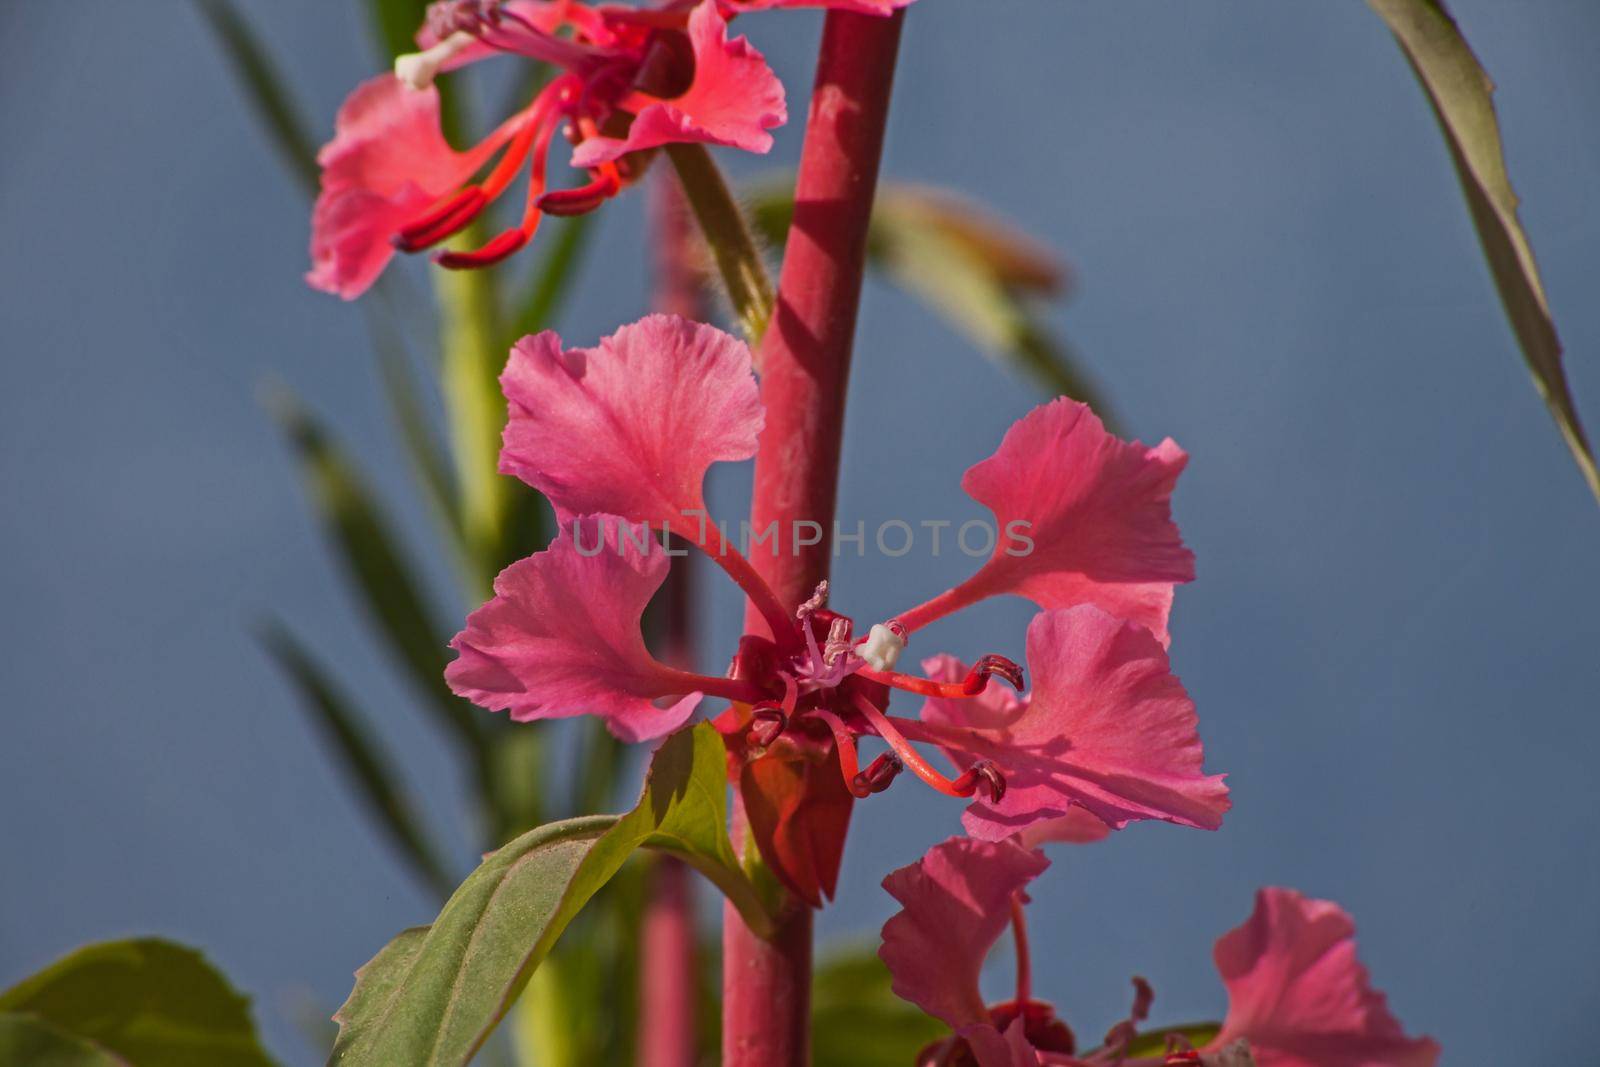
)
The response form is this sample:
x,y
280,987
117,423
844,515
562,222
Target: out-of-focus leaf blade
x,y
264,87
1462,96
857,1021
968,266
395,24
359,753
145,1001
553,278
422,446
433,996
361,533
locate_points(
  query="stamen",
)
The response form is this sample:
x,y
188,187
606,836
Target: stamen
x,y
501,247
974,683
419,69
849,759
884,643
454,214
984,776
878,776
767,724
582,199
964,786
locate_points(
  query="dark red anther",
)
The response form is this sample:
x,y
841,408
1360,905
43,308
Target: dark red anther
x,y
878,776
767,724
501,247
978,676
1044,1031
982,776
448,218
582,199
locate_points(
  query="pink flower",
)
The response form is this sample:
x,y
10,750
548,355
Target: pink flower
x,y
1298,995
1108,729
624,433
391,181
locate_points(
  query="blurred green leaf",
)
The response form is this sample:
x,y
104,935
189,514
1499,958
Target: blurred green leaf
x,y
264,88
435,994
965,264
1154,1042
857,1021
146,1001
27,1041
553,278
739,261
361,533
1462,96
395,23
428,460
359,754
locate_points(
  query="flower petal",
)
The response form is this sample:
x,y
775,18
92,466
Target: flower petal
x,y
955,903
387,161
630,427
991,1048
1298,994
1097,511
561,636
1077,827
1108,728
734,100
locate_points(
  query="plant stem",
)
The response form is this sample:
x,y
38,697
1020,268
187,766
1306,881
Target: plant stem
x,y
805,367
738,258
475,412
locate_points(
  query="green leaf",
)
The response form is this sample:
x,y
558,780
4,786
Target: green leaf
x,y
554,276
361,533
27,1041
144,1001
1154,1042
264,88
359,754
1462,97
434,995
966,265
857,1021
727,232
428,461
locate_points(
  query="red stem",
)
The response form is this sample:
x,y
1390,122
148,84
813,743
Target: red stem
x,y
668,949
805,365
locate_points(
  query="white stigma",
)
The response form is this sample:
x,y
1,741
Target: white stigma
x,y
882,648
418,69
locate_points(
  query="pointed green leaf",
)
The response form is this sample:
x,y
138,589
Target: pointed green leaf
x,y
264,88
359,754
857,1021
968,266
145,1001
434,996
28,1041
1462,97
361,533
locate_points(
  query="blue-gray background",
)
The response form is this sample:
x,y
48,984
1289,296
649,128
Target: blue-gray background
x,y
1392,642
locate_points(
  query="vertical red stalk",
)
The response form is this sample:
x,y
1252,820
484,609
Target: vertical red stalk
x,y
805,356
668,978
